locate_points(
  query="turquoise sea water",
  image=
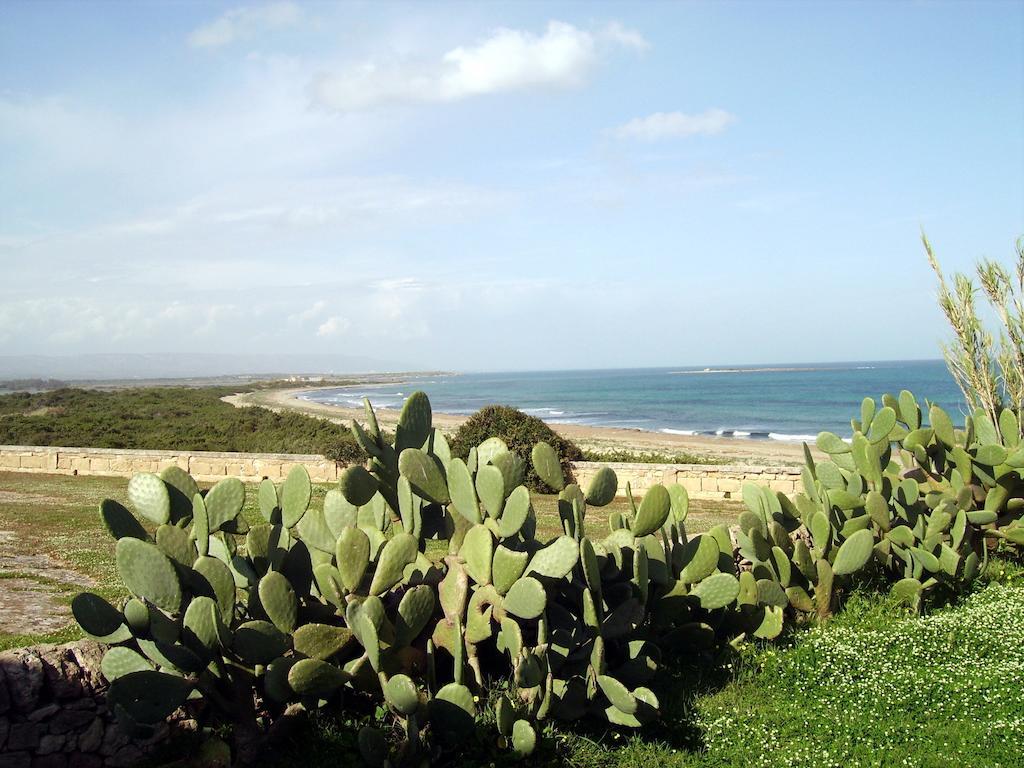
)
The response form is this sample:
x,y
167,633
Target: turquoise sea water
x,y
790,402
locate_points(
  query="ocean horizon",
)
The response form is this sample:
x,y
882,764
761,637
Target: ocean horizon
x,y
786,402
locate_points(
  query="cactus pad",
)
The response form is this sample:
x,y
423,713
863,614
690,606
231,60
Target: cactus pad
x,y
295,494
148,573
524,738
717,591
180,488
259,642
120,522
526,598
397,553
148,697
700,555
357,485
490,486
424,475
854,553
557,559
462,491
120,661
452,712
653,512
99,619
320,641
148,494
312,677
224,502
353,555
279,601
548,466
400,692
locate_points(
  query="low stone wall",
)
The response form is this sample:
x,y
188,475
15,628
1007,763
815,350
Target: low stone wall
x,y
202,465
703,481
53,712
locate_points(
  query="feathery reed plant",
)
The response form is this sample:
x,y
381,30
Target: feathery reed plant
x,y
987,366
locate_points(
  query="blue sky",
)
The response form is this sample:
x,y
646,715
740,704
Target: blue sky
x,y
502,186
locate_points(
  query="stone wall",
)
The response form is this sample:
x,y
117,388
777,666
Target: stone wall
x,y
53,712
703,481
202,465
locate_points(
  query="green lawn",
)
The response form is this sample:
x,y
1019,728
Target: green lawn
x,y
872,687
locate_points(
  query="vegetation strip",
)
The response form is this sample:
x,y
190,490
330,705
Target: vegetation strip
x,y
573,626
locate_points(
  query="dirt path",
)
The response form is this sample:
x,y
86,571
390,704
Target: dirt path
x,y
34,587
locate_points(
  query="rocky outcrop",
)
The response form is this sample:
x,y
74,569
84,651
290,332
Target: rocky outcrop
x,y
53,712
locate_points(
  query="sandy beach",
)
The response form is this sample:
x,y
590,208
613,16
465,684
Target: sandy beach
x,y
731,449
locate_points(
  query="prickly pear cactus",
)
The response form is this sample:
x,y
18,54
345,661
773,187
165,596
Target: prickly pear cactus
x,y
339,604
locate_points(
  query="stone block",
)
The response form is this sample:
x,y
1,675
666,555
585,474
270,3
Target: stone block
x,y
43,712
205,468
52,760
35,461
23,670
50,743
15,760
92,737
70,720
690,483
23,736
729,484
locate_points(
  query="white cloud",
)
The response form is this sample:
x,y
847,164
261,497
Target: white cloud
x,y
563,56
624,36
333,326
244,22
665,125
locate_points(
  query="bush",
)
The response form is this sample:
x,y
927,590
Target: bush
x,y
521,432
167,418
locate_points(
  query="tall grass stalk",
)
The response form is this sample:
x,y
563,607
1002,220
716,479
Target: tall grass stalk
x,y
987,366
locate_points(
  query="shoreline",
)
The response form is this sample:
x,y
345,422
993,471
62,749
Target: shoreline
x,y
739,450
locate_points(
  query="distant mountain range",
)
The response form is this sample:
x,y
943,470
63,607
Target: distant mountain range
x,y
170,366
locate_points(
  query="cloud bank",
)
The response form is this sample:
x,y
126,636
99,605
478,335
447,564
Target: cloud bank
x,y
562,56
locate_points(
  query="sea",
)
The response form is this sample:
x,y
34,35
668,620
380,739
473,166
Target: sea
x,y
790,402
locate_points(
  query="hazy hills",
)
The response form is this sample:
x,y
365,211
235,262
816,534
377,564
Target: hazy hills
x,y
170,366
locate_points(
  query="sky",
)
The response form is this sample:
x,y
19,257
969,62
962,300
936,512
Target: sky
x,y
502,186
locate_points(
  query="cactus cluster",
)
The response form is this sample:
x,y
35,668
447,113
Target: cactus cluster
x,y
930,498
319,604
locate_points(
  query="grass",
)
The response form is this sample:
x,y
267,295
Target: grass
x,y
871,687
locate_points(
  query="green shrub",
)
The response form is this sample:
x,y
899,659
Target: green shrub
x,y
616,455
520,432
167,418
